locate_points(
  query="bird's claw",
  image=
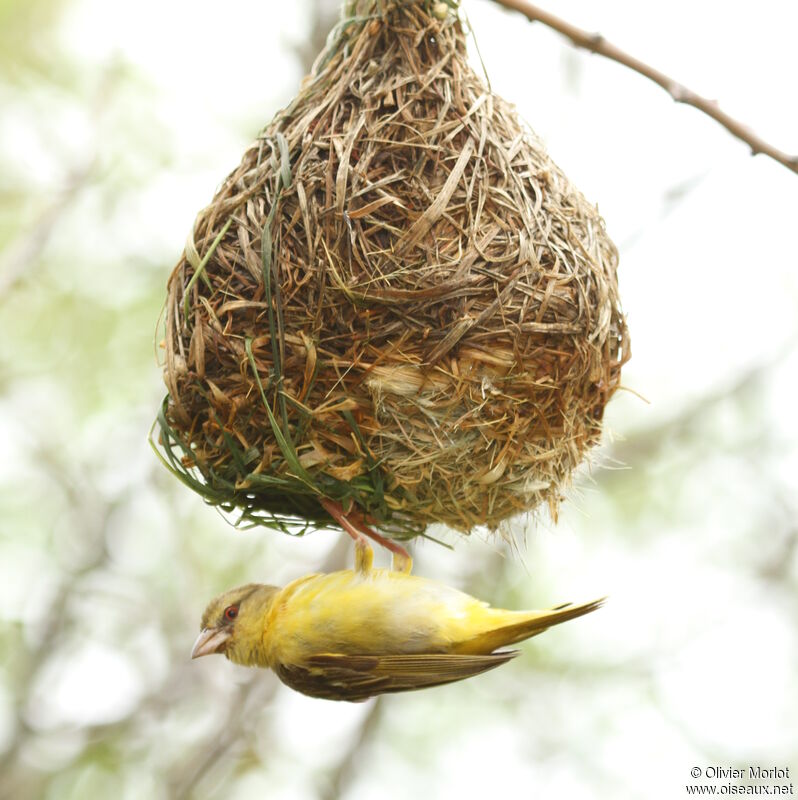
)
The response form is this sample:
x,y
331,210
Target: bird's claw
x,y
364,555
356,527
402,562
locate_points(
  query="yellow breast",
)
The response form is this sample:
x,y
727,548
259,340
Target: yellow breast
x,y
376,613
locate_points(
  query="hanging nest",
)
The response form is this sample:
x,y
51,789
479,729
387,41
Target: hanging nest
x,y
396,301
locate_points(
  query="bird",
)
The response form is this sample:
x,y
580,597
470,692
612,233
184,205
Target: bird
x,y
353,634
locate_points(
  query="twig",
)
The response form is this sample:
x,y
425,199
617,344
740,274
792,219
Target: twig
x,y
26,250
94,521
252,698
596,43
323,16
22,254
646,443
342,775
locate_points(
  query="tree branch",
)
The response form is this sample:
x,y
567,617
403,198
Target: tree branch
x,y
596,43
26,250
342,775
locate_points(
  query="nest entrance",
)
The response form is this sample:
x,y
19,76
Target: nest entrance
x,y
396,301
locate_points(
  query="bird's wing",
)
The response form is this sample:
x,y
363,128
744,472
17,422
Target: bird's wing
x,y
337,676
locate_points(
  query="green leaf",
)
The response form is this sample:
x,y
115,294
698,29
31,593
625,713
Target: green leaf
x,y
286,448
201,268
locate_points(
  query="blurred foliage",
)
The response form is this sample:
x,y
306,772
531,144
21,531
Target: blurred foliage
x,y
27,31
106,561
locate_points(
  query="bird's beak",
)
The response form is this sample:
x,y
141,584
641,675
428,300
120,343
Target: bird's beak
x,y
210,641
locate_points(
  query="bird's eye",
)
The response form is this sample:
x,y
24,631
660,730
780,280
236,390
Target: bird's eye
x,y
231,612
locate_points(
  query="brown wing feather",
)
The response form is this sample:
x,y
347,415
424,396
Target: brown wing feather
x,y
336,676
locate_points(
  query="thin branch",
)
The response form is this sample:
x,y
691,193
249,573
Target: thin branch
x,y
22,254
242,712
26,250
323,15
681,424
343,774
596,43
94,521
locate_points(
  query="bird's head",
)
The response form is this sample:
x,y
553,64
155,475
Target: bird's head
x,y
234,622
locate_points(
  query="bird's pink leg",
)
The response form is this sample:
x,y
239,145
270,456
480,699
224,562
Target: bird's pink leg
x,y
401,561
356,527
364,555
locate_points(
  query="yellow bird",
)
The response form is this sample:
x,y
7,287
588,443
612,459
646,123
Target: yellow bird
x,y
353,634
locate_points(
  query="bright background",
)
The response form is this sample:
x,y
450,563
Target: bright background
x,y
117,122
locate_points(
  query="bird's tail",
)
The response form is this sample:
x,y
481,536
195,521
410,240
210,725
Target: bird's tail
x,y
515,626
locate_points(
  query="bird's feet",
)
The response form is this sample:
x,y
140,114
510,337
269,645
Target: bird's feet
x,y
364,555
354,524
402,561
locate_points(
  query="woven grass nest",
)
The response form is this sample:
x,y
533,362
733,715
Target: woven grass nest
x,y
396,301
